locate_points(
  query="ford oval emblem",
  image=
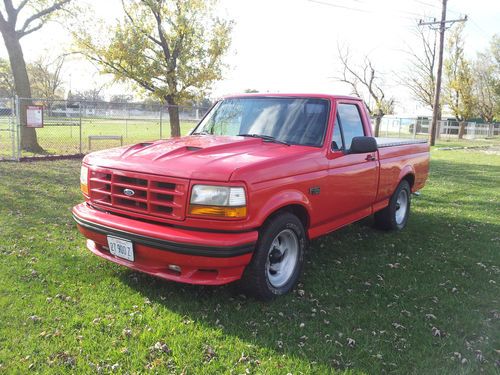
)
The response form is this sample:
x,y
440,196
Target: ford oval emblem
x,y
128,192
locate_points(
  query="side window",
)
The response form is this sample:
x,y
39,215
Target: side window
x,y
337,142
350,119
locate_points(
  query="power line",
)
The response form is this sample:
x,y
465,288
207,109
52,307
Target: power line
x,y
338,6
427,4
372,11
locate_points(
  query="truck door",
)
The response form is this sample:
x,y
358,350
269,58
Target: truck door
x,y
353,178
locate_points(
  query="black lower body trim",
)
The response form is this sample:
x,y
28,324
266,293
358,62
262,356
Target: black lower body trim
x,y
181,248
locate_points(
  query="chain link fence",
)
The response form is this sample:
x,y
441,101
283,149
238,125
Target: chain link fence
x,y
78,127
65,127
8,129
418,127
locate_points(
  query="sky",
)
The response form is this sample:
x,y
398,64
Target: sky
x,y
291,45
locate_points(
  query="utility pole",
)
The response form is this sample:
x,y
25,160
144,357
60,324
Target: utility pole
x,y
442,28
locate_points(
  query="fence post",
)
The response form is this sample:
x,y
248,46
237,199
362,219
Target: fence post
x,y
126,119
12,128
80,110
161,125
18,127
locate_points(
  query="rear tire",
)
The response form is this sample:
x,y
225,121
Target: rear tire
x,y
278,258
395,215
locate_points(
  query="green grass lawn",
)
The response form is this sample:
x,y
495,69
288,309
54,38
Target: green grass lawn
x,y
422,301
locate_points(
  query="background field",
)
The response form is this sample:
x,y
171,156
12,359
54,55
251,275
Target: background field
x,y
421,301
62,136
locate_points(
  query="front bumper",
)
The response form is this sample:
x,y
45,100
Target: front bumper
x,y
206,258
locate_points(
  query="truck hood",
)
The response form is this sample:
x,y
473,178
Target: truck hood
x,y
202,157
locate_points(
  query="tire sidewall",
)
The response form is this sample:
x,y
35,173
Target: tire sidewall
x,y
404,185
280,223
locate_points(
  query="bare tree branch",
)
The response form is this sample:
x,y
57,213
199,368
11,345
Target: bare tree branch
x,y
21,5
39,16
364,78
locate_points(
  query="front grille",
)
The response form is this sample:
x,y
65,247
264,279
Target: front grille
x,y
149,195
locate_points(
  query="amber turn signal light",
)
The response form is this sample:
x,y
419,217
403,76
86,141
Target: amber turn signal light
x,y
219,211
84,188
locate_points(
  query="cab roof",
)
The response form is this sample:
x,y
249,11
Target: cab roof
x,y
292,95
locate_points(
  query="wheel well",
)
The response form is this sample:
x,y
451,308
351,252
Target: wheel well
x,y
410,178
297,210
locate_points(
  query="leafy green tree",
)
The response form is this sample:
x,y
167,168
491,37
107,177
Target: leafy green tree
x,y
172,49
459,83
495,52
6,79
17,21
486,82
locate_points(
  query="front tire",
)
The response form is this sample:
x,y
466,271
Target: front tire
x,y
395,215
278,258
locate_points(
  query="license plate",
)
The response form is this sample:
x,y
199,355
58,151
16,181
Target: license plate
x,y
121,248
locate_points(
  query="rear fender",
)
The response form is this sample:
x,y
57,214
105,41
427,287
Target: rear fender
x,y
407,170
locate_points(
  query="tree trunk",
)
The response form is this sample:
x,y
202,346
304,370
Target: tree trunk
x,y
173,114
438,127
378,120
22,86
461,130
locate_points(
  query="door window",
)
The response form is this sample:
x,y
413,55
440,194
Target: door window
x,y
351,123
337,141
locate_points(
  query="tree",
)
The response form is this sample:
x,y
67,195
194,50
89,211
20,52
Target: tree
x,y
37,13
486,81
420,77
459,81
366,84
495,52
121,98
6,79
93,95
45,78
170,48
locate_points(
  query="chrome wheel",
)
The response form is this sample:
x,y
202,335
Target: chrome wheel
x,y
401,206
282,258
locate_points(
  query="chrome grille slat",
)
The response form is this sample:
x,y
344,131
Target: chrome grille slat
x,y
154,196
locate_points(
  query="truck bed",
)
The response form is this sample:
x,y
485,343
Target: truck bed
x,y
389,142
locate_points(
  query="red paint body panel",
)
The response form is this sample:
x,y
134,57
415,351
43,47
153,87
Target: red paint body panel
x,y
273,175
195,270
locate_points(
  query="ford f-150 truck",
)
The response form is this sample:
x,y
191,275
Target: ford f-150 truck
x,y
240,197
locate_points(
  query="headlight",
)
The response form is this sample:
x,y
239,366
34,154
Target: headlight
x,y
84,176
222,201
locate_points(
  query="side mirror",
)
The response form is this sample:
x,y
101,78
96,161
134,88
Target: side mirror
x,y
363,145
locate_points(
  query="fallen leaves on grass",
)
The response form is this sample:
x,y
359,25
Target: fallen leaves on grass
x,y
436,332
62,358
160,347
398,326
209,354
351,343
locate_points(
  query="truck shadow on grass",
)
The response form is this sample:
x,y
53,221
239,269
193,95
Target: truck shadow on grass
x,y
363,299
377,301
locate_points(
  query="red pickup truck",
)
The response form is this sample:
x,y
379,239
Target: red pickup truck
x,y
241,196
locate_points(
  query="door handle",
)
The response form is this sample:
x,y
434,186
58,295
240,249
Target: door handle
x,y
370,157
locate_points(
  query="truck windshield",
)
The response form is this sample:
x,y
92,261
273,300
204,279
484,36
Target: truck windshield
x,y
300,121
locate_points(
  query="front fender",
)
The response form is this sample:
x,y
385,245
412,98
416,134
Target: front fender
x,y
282,199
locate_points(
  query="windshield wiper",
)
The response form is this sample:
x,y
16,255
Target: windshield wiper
x,y
202,133
268,138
